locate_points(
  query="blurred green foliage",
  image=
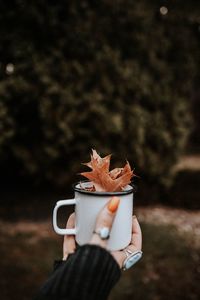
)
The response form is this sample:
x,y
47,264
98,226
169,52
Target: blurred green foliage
x,y
113,75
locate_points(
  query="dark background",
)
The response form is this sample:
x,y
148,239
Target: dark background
x,y
121,77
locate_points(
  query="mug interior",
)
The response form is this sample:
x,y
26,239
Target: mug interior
x,y
79,187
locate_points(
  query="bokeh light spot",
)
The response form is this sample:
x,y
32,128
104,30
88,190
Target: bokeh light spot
x,y
163,10
10,69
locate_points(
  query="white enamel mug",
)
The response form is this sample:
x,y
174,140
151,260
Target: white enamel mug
x,y
88,205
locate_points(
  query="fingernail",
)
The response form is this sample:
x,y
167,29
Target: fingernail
x,y
134,217
113,204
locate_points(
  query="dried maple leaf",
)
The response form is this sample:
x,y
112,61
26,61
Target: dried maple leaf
x,y
105,180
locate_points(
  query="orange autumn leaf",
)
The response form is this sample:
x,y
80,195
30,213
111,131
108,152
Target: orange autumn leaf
x,y
105,180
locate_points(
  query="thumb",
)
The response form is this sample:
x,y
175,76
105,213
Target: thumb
x,y
105,220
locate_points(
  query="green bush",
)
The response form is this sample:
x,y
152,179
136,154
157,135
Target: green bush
x,y
115,76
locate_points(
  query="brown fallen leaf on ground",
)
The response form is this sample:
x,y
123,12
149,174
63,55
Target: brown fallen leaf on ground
x,y
105,180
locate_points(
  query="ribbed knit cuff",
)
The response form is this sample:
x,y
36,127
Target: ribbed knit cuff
x,y
88,274
99,270
57,264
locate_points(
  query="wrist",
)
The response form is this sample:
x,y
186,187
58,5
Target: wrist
x,y
119,258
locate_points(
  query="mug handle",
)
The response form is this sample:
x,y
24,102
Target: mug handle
x,y
57,229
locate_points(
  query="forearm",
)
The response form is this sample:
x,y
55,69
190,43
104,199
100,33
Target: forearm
x,y
90,273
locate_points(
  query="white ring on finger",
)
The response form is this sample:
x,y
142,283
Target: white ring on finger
x,y
104,233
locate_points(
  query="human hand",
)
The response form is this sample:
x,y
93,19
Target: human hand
x,y
105,220
135,244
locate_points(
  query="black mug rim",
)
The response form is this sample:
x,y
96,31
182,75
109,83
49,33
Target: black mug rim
x,y
121,193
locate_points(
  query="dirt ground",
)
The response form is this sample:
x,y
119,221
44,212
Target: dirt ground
x,y
171,244
189,162
185,221
171,247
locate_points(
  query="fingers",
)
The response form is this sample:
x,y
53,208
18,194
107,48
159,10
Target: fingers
x,y
105,219
69,244
136,240
135,244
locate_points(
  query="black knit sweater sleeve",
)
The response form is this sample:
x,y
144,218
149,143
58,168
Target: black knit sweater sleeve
x,y
89,273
